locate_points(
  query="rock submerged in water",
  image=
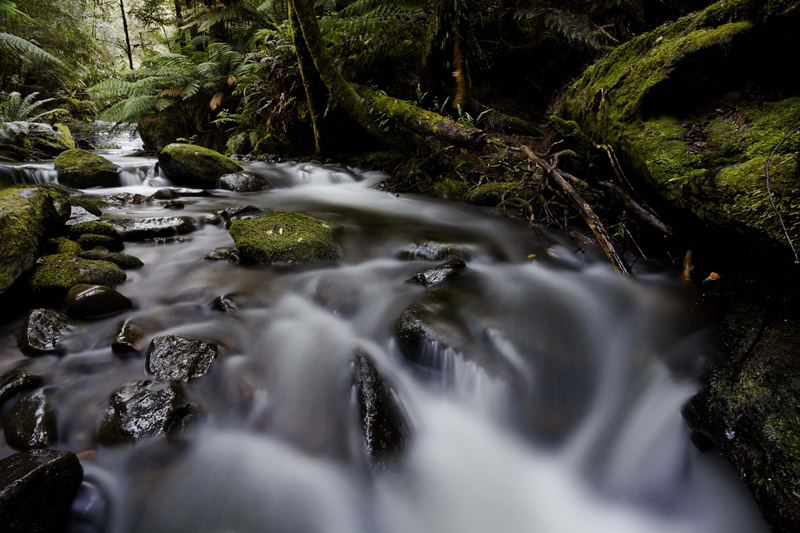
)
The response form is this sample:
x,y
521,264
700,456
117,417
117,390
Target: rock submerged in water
x,y
384,429
61,272
145,409
41,331
194,165
238,211
435,275
174,358
31,422
243,182
15,381
285,238
37,488
137,229
224,304
223,254
81,169
129,338
92,301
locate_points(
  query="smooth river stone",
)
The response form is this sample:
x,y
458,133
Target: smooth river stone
x,y
179,359
92,301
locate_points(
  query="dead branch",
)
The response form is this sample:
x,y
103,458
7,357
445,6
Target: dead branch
x,y
636,208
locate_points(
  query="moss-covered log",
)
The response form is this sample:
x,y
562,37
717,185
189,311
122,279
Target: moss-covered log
x,y
422,121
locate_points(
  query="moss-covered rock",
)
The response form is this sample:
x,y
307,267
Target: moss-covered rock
x,y
89,241
194,165
62,245
92,205
282,237
57,273
26,216
82,169
272,143
124,261
450,189
95,228
695,108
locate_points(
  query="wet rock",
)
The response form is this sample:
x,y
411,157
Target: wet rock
x,y
179,359
223,254
121,199
185,163
136,229
432,251
15,381
37,488
173,204
56,273
62,245
437,274
129,338
165,194
191,193
76,231
384,429
168,240
31,422
224,304
92,301
123,261
81,169
26,216
214,220
145,409
420,325
243,182
90,242
79,215
282,238
90,511
41,331
238,211
92,205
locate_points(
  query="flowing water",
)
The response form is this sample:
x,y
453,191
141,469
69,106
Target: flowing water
x,y
583,432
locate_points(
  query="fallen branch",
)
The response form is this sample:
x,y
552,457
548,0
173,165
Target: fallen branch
x,y
636,208
592,220
769,192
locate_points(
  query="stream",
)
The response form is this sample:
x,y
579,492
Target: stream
x,y
583,433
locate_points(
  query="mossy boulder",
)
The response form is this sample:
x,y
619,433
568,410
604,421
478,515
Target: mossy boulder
x,y
695,108
62,245
194,165
282,237
26,216
82,169
58,273
96,233
124,261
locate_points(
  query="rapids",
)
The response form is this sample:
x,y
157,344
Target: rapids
x,y
587,437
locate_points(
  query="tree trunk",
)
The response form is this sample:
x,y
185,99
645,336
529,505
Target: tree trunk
x,y
338,86
316,92
128,48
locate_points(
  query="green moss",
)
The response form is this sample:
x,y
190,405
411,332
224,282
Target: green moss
x,y
95,228
188,163
88,241
492,194
450,189
63,271
123,261
569,130
92,205
67,142
282,237
272,143
63,246
82,169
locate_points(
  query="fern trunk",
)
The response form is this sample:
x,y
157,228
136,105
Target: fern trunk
x,y
339,87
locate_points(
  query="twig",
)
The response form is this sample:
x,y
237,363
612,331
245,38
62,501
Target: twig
x,y
769,192
592,220
636,208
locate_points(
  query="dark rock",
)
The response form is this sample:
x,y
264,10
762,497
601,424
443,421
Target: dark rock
x,y
129,338
384,429
120,199
76,231
92,301
282,238
62,245
79,215
92,205
81,169
15,381
432,251
187,193
123,261
223,254
136,229
31,422
223,304
37,488
58,273
41,331
243,182
419,325
26,215
90,242
437,274
178,359
238,211
174,205
90,511
214,220
165,194
145,409
185,163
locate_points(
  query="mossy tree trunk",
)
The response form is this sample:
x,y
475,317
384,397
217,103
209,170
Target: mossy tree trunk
x,y
339,87
316,92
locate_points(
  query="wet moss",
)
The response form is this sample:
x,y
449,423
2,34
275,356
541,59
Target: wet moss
x,y
63,246
282,237
62,271
492,194
194,164
450,189
82,169
95,228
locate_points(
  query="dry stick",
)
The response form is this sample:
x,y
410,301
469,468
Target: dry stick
x,y
769,192
637,209
592,220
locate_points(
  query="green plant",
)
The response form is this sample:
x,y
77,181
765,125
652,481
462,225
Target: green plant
x,y
14,108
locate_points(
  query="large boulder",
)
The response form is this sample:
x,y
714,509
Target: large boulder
x,y
136,229
284,238
37,488
60,141
175,358
185,163
82,169
26,216
145,409
695,109
58,273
